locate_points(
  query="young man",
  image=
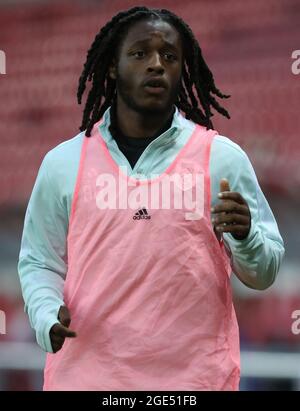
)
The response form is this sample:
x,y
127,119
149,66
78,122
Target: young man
x,y
133,294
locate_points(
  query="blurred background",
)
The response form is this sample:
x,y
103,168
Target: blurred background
x,y
248,46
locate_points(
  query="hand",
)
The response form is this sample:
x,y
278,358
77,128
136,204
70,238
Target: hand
x,y
60,331
233,214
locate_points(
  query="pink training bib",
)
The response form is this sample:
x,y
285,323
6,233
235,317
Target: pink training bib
x,y
148,283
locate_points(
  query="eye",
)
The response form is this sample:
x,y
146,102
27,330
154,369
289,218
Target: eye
x,y
139,53
170,57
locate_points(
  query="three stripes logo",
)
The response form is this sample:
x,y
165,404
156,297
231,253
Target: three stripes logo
x,y
141,214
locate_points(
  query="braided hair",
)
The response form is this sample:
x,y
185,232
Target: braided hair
x,y
197,82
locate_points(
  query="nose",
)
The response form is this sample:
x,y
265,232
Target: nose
x,y
155,64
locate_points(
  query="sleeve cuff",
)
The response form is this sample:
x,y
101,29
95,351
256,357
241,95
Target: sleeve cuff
x,y
43,333
248,243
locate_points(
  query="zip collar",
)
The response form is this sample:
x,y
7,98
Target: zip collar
x,y
165,138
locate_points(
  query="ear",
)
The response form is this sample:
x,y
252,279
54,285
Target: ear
x,y
112,69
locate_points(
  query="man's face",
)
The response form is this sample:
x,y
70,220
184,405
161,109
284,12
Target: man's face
x,y
151,51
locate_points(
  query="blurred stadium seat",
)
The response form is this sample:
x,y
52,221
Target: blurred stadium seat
x,y
241,40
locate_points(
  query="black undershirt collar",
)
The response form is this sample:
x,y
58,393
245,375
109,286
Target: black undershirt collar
x,y
133,147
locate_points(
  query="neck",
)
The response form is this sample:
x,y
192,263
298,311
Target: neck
x,y
137,125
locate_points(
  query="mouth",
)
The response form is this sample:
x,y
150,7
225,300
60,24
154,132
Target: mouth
x,y
155,89
155,86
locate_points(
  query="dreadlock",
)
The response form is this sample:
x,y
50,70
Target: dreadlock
x,y
196,76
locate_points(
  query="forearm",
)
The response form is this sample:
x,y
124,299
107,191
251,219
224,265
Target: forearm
x,y
255,260
43,295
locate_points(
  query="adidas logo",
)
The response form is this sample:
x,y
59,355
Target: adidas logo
x,y
142,214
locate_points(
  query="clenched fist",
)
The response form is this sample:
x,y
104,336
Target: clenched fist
x,y
60,331
232,215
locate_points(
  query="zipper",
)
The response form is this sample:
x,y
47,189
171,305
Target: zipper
x,y
144,153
